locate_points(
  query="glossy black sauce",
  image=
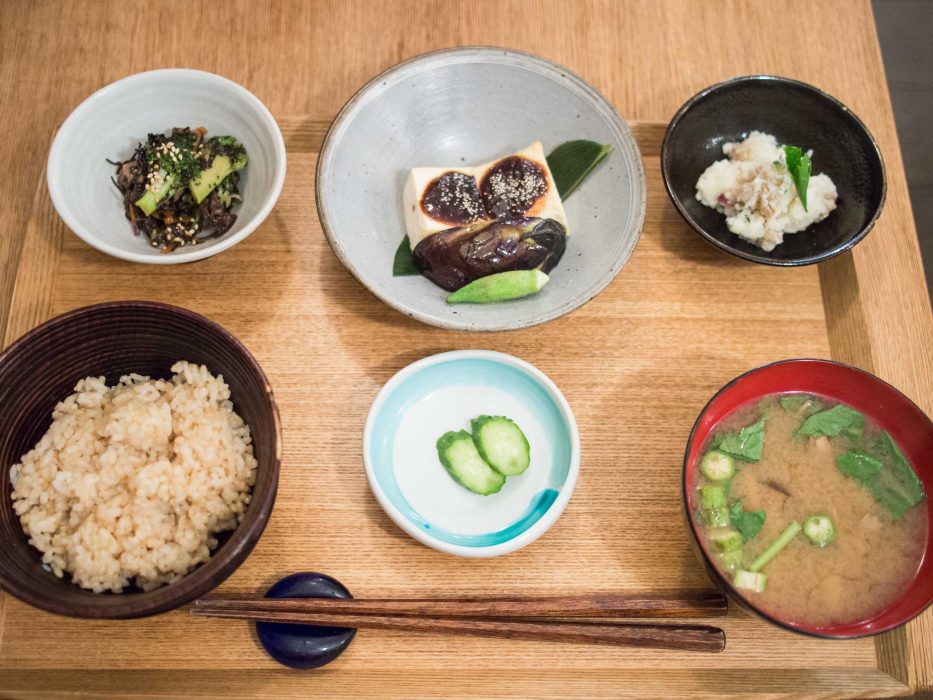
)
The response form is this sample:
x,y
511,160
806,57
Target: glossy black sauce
x,y
512,186
453,198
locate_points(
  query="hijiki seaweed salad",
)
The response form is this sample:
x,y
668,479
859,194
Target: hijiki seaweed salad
x,y
179,189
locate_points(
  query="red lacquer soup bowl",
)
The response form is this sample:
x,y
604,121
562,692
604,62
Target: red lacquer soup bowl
x,y
911,429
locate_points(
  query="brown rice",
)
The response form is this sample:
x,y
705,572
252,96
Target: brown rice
x,y
131,483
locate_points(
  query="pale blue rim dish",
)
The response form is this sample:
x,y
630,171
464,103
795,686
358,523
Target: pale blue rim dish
x,y
472,367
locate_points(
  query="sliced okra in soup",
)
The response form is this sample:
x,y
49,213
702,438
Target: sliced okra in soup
x,y
726,539
717,466
820,530
714,505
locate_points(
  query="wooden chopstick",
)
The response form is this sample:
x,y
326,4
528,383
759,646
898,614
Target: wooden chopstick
x,y
679,637
595,605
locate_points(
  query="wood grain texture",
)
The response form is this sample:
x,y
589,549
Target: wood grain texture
x,y
622,362
636,364
675,637
620,606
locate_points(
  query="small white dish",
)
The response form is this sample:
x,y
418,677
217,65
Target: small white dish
x,y
468,106
441,393
110,123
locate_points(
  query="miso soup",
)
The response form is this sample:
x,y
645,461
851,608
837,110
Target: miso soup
x,y
811,510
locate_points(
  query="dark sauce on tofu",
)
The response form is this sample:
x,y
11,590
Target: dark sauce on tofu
x,y
512,186
453,198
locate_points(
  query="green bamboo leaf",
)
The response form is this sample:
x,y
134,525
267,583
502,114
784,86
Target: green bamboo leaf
x,y
573,161
404,264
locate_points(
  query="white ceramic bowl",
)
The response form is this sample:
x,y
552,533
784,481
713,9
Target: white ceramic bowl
x,y
470,105
441,393
110,123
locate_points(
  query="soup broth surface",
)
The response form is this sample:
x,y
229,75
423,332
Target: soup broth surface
x,y
874,556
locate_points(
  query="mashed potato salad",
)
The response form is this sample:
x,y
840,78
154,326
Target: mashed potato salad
x,y
131,483
753,188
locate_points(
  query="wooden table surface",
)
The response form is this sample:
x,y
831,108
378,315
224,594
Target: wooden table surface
x,y
641,356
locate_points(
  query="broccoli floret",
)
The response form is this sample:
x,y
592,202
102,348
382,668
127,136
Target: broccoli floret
x,y
174,155
226,146
228,190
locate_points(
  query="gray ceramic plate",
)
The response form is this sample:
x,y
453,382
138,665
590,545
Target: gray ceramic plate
x,y
471,105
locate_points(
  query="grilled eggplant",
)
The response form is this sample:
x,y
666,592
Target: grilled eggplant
x,y
457,256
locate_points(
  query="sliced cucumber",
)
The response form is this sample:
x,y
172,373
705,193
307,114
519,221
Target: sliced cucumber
x,y
463,462
717,466
502,444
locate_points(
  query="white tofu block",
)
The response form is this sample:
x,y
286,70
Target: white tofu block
x,y
547,207
419,223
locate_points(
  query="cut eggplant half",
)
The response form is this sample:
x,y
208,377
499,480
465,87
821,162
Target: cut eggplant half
x,y
457,256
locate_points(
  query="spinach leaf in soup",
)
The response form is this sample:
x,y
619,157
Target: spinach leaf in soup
x,y
801,403
860,466
886,473
892,499
746,444
893,458
748,523
838,420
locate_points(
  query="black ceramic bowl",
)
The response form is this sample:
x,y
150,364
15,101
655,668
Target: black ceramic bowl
x,y
795,113
41,368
